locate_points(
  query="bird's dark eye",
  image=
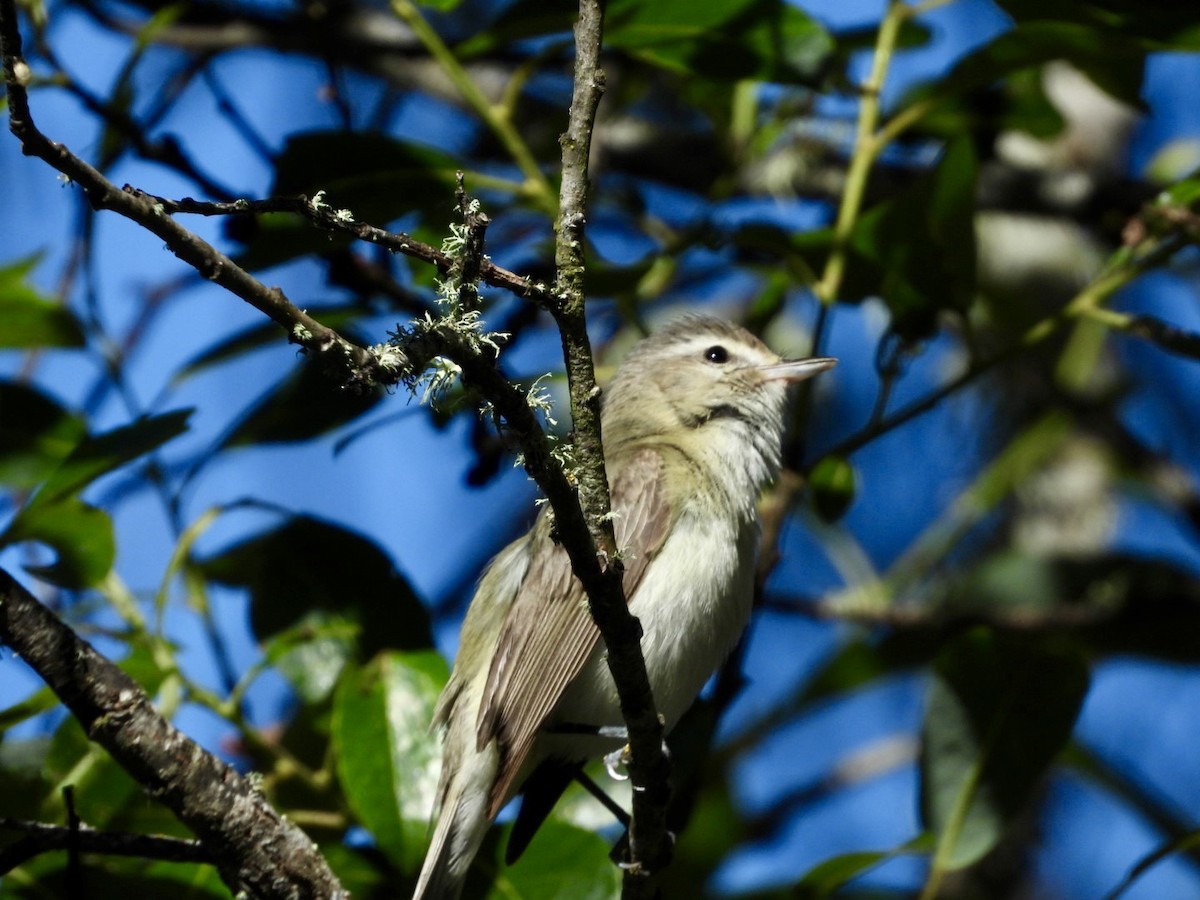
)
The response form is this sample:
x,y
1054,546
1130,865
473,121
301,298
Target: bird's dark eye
x,y
717,354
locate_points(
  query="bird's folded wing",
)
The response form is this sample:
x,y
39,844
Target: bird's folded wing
x,y
549,633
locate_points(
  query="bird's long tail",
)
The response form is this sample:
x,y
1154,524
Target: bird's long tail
x,y
461,826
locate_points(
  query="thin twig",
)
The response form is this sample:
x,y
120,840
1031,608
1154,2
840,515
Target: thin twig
x,y
40,838
343,221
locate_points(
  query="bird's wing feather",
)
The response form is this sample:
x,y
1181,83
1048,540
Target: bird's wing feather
x,y
549,621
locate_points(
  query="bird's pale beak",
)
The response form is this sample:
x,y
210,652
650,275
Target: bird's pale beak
x,y
793,370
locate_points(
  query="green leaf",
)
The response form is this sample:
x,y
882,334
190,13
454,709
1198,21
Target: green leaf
x,y
1111,59
922,243
730,40
832,487
114,878
256,337
824,879
386,754
23,778
519,22
563,862
375,177
40,701
81,536
36,435
27,319
310,564
96,456
1164,23
829,875
1000,709
305,404
103,790
313,653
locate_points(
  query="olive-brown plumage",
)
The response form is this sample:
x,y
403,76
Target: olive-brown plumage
x,y
692,425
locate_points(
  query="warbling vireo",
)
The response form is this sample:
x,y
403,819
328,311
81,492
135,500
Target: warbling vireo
x,y
692,425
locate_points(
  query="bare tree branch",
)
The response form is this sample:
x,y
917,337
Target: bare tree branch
x,y
324,216
256,850
649,845
40,837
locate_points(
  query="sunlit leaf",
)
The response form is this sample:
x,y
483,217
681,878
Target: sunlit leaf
x,y
313,652
387,757
563,862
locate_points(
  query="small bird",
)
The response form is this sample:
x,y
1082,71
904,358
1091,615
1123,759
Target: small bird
x,y
692,426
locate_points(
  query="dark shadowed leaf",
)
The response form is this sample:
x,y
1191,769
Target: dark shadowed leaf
x,y
767,40
1158,21
258,336
1000,709
373,177
36,435
310,564
27,319
98,455
387,757
922,243
1109,58
306,403
80,535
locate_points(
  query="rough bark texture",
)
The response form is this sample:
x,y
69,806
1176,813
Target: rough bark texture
x,y
255,849
649,844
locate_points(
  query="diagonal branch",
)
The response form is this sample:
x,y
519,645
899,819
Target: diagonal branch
x,y
256,850
342,221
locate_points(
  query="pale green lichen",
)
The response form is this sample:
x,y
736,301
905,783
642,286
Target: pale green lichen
x,y
538,399
436,379
389,357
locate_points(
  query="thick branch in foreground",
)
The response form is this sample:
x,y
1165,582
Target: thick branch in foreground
x,y
649,845
255,849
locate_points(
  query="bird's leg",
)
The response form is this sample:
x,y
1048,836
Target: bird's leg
x,y
617,759
615,732
606,801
